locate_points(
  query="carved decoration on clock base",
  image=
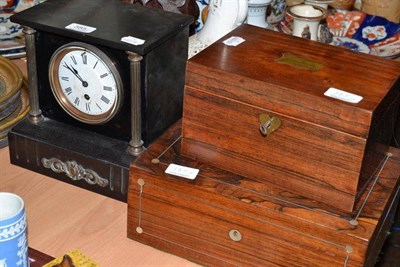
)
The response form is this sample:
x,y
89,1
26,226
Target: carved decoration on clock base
x,y
74,171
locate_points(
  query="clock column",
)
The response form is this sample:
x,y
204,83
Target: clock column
x,y
35,114
136,143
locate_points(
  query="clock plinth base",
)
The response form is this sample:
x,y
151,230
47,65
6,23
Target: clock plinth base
x,y
60,151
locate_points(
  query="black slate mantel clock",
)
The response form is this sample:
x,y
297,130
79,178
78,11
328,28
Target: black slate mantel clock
x,y
105,78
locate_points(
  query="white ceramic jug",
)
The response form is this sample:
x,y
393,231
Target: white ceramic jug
x,y
223,16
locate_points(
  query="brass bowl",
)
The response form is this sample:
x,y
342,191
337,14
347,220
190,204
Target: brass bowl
x,y
17,115
11,80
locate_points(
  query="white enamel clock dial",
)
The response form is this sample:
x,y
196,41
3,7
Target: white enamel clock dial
x,y
85,83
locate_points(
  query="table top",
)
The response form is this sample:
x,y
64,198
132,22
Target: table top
x,y
62,217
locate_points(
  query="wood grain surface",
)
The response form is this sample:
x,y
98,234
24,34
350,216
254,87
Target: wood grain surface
x,y
326,149
192,218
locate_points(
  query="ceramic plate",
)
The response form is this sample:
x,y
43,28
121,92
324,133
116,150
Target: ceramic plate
x,y
365,33
11,36
12,47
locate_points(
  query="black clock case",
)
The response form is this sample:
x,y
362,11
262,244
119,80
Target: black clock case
x,y
102,148
162,80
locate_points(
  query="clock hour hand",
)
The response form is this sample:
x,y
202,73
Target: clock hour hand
x,y
75,72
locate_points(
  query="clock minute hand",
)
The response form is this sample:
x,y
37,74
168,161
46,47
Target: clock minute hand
x,y
69,68
75,72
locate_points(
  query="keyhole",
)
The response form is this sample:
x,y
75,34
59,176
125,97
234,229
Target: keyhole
x,y
87,97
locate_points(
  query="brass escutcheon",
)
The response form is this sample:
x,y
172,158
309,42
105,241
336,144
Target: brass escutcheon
x,y
268,124
235,235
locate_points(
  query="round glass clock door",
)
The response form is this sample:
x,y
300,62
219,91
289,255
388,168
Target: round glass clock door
x,y
85,83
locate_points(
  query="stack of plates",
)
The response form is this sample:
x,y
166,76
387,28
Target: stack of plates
x,y
14,48
14,98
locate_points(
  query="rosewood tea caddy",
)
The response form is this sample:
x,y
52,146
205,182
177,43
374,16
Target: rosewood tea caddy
x,y
313,119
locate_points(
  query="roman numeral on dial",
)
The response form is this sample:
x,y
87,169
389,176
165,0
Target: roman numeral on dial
x,y
68,90
74,60
105,99
84,58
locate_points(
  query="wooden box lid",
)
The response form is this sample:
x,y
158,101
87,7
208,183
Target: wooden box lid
x,y
292,74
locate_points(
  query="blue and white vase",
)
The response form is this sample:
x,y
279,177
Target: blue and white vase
x,y
13,234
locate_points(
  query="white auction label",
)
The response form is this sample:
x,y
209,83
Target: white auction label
x,y
343,95
80,28
132,40
182,171
234,41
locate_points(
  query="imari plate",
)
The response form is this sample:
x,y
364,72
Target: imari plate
x,y
365,33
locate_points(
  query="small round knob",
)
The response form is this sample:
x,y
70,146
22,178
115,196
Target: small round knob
x,y
235,235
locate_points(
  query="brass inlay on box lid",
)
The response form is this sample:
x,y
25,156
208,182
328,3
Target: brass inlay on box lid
x,y
300,62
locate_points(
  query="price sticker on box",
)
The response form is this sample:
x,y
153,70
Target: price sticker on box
x,y
343,95
234,41
182,171
80,28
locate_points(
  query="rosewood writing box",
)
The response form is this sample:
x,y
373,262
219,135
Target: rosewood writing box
x,y
224,219
313,119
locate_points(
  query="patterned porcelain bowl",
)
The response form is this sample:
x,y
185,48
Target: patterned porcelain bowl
x,y
9,30
11,36
365,33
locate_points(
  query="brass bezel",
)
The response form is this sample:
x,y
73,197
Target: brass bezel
x,y
58,93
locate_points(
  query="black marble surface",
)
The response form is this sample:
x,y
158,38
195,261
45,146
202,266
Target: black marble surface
x,y
108,157
112,19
